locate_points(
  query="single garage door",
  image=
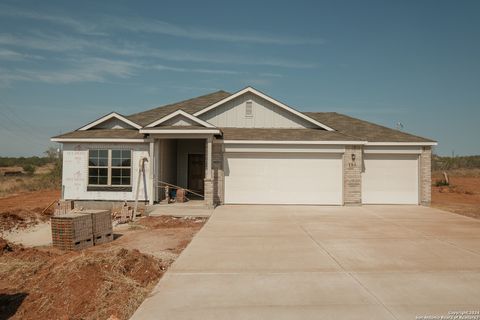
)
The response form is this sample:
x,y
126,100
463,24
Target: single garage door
x,y
283,178
390,179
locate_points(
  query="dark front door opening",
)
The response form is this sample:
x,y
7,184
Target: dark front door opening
x,y
196,172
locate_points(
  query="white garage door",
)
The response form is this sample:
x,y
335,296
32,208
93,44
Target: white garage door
x,y
283,178
390,179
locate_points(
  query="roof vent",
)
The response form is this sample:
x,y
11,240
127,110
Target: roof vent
x,y
249,109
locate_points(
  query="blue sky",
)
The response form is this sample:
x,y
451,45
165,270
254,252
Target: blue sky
x,y
65,63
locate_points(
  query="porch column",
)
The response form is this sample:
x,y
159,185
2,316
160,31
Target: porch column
x,y
151,164
208,186
208,174
156,171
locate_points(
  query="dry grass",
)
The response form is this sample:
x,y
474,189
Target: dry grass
x,y
42,179
9,185
457,173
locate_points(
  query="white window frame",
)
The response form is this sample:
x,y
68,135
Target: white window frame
x,y
109,169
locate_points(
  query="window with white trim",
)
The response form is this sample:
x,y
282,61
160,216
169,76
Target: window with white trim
x,y
109,167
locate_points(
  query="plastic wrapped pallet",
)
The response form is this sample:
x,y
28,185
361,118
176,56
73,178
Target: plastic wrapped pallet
x,y
72,231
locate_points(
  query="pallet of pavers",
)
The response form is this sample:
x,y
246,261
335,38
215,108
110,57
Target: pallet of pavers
x,y
72,231
101,225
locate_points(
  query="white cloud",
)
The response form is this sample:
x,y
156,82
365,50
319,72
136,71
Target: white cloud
x,y
101,24
79,26
11,55
86,70
62,43
198,33
76,56
195,70
270,75
45,42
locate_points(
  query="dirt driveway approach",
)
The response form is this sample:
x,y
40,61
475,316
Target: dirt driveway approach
x,y
271,262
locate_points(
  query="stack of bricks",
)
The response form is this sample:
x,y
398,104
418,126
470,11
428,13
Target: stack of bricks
x,y
72,231
101,225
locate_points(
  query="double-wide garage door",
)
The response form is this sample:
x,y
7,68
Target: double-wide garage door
x,y
283,178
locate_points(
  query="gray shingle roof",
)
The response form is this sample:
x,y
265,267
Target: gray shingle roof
x,y
193,127
347,128
190,106
103,133
363,129
284,134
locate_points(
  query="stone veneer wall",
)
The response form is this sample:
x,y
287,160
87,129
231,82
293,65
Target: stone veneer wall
x,y
352,175
426,176
208,193
214,194
218,174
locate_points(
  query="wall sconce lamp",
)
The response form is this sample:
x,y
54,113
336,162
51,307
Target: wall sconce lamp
x,y
353,157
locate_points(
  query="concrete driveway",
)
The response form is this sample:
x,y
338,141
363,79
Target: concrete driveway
x,y
301,262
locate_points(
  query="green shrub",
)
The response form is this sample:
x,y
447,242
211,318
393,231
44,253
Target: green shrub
x,y
441,183
29,169
21,161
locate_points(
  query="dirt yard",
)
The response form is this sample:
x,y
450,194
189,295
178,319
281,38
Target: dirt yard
x,y
109,280
462,196
24,209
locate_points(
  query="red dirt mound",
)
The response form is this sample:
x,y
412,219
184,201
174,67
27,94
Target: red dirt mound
x,y
25,209
165,222
48,284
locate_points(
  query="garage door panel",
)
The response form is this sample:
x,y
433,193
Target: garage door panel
x,y
283,178
390,179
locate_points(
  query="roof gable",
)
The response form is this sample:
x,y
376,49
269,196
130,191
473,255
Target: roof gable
x,y
275,102
189,106
110,117
189,120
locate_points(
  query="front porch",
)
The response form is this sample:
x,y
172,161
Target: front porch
x,y
181,160
194,208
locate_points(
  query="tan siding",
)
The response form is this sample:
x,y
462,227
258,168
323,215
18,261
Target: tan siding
x,y
179,121
113,123
265,115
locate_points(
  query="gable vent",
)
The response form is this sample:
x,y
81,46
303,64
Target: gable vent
x,y
249,109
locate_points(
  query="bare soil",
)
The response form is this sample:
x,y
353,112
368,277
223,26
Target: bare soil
x,y
109,280
25,209
462,196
